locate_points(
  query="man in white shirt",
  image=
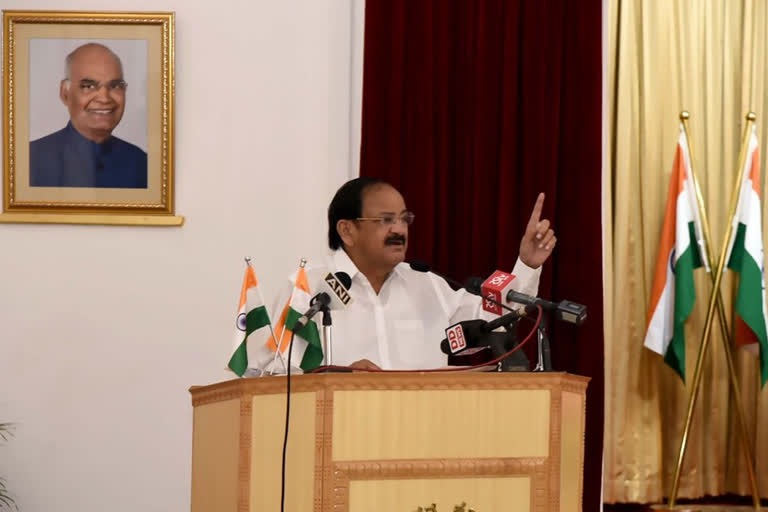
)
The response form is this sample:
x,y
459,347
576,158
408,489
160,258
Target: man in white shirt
x,y
399,315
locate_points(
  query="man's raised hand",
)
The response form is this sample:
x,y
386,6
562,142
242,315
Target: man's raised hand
x,y
539,239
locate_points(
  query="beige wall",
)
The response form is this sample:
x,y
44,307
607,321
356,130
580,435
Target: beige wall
x,y
103,329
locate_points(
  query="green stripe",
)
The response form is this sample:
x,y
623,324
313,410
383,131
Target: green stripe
x,y
239,361
749,296
256,319
313,355
738,252
685,298
698,261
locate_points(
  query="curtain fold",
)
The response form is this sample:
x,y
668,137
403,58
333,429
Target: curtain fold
x,y
707,57
473,108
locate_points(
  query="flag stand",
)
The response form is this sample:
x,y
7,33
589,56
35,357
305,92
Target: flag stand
x,y
715,298
279,343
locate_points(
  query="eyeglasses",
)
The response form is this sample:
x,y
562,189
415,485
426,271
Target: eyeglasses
x,y
90,86
390,219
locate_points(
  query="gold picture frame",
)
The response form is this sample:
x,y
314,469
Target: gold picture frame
x,y
88,132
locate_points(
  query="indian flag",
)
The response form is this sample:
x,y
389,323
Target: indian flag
x,y
252,327
745,256
680,252
307,350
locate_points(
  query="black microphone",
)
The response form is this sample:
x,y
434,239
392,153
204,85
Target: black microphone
x,y
421,266
462,335
333,295
565,310
473,285
316,304
473,331
502,321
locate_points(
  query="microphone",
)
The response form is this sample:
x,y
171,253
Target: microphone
x,y
494,289
334,294
469,333
421,266
456,336
472,284
565,311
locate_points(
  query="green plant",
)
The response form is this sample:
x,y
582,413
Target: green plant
x,y
6,501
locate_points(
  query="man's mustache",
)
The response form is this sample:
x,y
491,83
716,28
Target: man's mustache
x,y
395,240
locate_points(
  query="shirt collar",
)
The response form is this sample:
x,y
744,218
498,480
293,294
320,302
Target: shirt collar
x,y
343,263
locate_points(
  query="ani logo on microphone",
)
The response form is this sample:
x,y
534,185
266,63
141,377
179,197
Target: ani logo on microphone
x,y
338,288
455,336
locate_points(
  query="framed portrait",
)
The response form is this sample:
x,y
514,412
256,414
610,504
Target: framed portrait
x,y
88,111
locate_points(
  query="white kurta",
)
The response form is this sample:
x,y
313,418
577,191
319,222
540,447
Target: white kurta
x,y
401,327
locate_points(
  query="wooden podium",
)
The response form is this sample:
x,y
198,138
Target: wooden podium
x,y
383,442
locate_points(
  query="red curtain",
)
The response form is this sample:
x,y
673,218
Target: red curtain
x,y
470,108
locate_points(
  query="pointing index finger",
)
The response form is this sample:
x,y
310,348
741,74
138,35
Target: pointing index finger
x,y
536,213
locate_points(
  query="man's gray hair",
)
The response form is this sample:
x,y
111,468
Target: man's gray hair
x,y
73,54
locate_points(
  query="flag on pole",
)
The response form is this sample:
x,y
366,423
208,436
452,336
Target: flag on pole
x,y
745,256
252,327
307,350
680,252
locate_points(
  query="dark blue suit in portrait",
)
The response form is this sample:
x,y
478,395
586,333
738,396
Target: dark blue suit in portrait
x,y
67,159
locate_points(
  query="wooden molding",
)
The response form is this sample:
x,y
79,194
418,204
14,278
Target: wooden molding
x,y
244,461
333,478
382,380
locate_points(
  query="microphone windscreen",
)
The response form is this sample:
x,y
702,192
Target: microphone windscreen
x,y
345,279
462,335
454,338
473,285
337,287
419,266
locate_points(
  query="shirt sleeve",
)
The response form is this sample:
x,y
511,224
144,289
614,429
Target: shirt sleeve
x,y
466,306
526,278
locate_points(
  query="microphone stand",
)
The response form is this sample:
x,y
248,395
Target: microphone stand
x,y
327,342
327,337
502,342
544,363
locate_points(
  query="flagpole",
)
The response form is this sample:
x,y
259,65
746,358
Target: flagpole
x,y
302,264
271,331
717,295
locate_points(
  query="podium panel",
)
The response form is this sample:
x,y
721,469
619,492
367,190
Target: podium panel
x,y
379,441
428,424
214,464
267,430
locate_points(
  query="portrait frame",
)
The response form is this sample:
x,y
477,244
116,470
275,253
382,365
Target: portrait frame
x,y
127,179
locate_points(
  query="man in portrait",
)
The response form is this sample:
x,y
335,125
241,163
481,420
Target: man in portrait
x,y
85,153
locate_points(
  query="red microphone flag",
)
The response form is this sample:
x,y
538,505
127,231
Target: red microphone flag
x,y
496,288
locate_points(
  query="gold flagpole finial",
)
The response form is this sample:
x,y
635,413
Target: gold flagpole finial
x,y
684,115
303,262
751,116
